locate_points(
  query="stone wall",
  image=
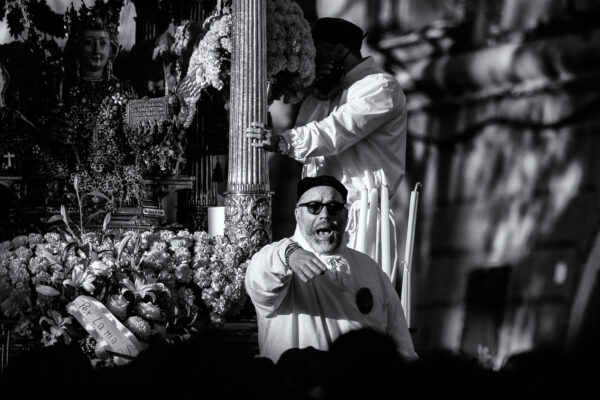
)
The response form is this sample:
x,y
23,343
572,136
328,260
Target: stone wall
x,y
506,142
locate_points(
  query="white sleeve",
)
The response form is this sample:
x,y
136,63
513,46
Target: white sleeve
x,y
370,102
267,277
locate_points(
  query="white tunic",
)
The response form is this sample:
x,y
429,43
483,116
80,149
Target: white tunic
x,y
292,313
361,128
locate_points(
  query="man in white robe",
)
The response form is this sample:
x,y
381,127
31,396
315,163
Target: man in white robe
x,y
358,126
310,289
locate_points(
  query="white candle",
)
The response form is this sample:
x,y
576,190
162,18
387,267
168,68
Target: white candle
x,y
405,293
216,220
371,237
386,256
408,251
361,235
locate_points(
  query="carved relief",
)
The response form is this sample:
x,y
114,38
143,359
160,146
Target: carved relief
x,y
248,217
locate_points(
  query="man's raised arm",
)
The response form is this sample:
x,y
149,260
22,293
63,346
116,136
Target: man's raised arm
x,y
267,277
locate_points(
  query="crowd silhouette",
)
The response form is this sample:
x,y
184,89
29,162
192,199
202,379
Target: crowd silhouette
x,y
361,364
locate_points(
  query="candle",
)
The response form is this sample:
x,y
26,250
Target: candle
x,y
405,293
216,221
386,256
371,237
361,235
408,250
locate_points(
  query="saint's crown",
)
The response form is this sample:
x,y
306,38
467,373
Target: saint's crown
x,y
100,16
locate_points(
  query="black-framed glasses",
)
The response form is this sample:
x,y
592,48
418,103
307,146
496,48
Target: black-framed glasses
x,y
315,208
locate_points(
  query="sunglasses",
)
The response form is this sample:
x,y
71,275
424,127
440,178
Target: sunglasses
x,y
315,208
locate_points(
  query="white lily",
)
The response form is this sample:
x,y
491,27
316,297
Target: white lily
x,y
140,288
81,278
58,325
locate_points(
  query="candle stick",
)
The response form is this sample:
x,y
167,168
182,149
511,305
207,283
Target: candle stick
x,y
361,235
408,250
371,237
386,257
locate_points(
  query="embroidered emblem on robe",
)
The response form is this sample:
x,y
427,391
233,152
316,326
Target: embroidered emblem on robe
x,y
364,300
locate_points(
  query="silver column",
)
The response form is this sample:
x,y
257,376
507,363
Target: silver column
x,y
248,199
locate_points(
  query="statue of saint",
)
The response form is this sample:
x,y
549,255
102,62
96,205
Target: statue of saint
x,y
90,130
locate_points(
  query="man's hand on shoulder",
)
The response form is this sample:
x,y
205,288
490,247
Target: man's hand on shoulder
x,y
306,265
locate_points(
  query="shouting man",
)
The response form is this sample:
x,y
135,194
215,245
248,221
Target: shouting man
x,y
310,289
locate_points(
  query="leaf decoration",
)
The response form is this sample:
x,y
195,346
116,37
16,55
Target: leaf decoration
x,y
121,246
55,218
106,222
91,217
96,194
47,291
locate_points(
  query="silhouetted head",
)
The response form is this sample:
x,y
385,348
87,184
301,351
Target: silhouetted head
x,y
334,37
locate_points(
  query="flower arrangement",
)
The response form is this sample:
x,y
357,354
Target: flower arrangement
x,y
290,50
158,147
160,285
290,56
211,58
176,50
186,35
209,64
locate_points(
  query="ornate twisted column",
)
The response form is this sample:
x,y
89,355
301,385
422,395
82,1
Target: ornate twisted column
x,y
248,199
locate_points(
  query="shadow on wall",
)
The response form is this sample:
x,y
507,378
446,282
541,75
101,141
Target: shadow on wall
x,y
510,179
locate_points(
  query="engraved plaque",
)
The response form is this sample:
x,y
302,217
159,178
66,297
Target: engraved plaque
x,y
146,110
154,212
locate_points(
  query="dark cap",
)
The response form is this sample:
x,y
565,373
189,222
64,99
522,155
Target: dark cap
x,y
337,30
308,183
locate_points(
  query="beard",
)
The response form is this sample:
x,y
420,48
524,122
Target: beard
x,y
323,240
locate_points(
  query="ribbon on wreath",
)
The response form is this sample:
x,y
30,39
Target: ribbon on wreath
x,y
105,328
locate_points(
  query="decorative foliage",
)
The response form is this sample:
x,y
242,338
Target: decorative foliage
x,y
290,56
34,16
175,52
159,284
211,59
100,155
185,38
208,68
290,50
158,148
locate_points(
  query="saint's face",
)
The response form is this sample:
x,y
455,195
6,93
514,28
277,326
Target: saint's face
x,y
95,51
325,230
